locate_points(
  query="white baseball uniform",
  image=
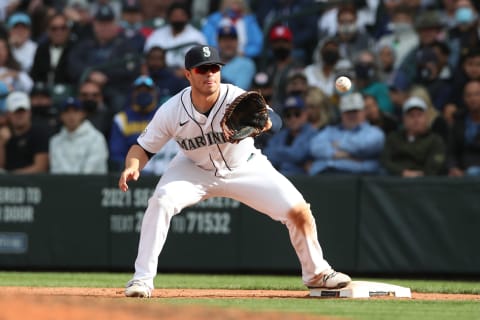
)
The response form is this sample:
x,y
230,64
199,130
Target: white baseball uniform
x,y
208,166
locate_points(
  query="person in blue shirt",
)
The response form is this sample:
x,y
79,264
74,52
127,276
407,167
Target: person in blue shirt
x,y
353,146
236,13
129,124
238,70
288,149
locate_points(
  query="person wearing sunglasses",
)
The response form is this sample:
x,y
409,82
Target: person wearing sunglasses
x,y
288,149
208,165
50,63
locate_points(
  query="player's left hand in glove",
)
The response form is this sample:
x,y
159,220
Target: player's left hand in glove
x,y
246,116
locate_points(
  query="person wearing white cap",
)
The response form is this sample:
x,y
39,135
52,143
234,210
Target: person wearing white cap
x,y
26,151
414,151
353,146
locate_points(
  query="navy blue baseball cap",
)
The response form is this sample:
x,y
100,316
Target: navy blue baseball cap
x,y
105,13
227,31
294,102
201,55
71,102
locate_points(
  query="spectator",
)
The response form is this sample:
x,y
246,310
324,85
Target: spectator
x,y
10,70
353,146
320,111
281,44
468,69
403,37
414,151
235,13
78,13
78,148
107,59
98,113
429,27
386,61
176,37
26,151
367,81
262,83
428,75
50,63
23,48
288,149
349,37
238,70
44,115
465,34
435,120
303,26
132,24
367,16
399,91
322,74
297,83
377,117
129,124
5,132
464,144
167,82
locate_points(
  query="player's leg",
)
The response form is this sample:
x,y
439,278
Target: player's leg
x,y
258,185
183,184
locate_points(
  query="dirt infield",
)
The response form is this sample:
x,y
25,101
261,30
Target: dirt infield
x,y
19,303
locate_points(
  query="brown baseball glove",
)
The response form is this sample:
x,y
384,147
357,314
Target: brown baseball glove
x,y
246,116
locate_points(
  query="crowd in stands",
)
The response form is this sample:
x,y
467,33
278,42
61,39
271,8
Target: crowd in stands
x,y
80,79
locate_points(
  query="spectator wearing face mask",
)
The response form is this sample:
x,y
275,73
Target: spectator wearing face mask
x,y
366,80
428,75
350,38
465,34
402,37
321,73
177,36
130,123
235,13
167,82
281,45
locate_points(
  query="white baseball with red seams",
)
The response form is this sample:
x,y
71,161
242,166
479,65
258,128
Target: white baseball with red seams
x,y
208,166
343,84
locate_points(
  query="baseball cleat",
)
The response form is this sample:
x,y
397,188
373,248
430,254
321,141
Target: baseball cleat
x,y
330,279
137,289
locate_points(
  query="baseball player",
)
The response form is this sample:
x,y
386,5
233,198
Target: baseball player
x,y
209,166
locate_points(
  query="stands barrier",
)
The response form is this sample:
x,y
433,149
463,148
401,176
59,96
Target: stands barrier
x,y
366,225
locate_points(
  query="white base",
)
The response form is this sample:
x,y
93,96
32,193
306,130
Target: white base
x,y
363,289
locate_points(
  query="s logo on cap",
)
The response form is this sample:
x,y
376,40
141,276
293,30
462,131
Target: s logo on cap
x,y
206,52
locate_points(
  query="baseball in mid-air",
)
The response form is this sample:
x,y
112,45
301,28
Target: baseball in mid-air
x,y
343,84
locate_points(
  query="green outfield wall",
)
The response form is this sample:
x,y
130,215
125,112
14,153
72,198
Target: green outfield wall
x,y
365,225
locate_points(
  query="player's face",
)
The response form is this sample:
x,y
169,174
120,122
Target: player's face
x,y
205,79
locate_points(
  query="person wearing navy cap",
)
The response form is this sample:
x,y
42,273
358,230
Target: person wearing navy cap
x,y
109,59
238,70
78,148
288,150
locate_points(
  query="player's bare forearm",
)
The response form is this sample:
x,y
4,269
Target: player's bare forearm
x,y
134,162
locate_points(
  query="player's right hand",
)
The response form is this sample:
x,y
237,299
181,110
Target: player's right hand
x,y
127,175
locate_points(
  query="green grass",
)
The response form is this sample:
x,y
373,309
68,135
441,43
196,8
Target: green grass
x,y
353,309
